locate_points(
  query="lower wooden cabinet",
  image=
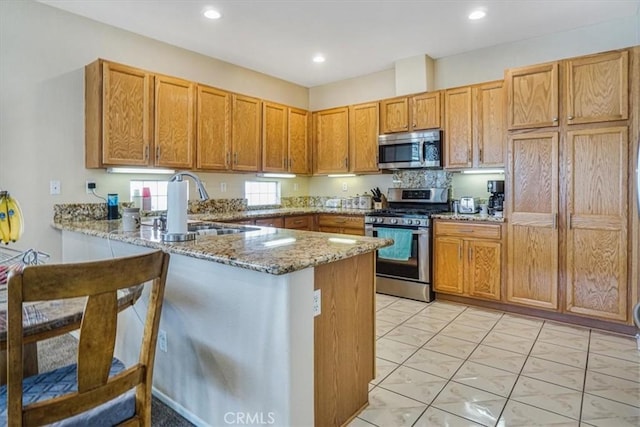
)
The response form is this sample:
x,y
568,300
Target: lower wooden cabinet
x,y
468,259
342,224
299,222
276,221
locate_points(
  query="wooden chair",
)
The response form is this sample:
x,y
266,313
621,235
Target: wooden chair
x,y
103,390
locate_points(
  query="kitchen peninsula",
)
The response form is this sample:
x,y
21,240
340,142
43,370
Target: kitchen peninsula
x,y
242,341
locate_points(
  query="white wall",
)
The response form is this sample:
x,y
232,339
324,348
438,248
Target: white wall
x,y
43,52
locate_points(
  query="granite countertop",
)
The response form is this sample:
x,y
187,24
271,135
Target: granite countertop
x,y
468,217
266,213
263,249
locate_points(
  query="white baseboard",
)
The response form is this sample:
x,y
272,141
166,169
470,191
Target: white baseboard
x,y
179,408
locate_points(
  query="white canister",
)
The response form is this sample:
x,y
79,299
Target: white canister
x,y
364,202
131,219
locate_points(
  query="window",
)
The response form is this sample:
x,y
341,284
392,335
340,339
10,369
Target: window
x,y
157,194
262,193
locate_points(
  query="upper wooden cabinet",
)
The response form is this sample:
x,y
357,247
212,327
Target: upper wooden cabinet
x,y
245,133
597,88
331,136
299,141
532,94
363,138
394,115
409,113
458,128
174,124
489,130
118,115
213,136
274,138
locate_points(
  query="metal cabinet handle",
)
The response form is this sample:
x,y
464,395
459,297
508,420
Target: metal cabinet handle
x,y
346,162
555,119
235,158
289,162
146,152
460,252
570,117
555,221
228,160
158,152
480,155
470,253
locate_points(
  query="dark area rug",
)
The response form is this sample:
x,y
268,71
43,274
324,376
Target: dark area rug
x,y
60,351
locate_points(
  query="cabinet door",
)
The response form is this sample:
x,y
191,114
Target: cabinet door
x,y
598,88
245,134
426,111
484,268
299,143
363,141
532,209
174,125
331,133
490,133
394,115
276,221
457,128
597,231
213,139
532,94
126,115
449,265
274,138
299,222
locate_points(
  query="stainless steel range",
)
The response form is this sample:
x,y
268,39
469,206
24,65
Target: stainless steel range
x,y
404,269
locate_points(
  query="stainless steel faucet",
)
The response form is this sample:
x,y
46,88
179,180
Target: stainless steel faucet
x,y
201,190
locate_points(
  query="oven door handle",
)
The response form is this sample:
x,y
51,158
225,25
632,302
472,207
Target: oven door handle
x,y
414,232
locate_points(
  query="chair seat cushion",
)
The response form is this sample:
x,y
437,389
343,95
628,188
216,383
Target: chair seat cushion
x,y
64,380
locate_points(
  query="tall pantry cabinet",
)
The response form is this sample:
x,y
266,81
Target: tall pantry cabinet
x,y
569,187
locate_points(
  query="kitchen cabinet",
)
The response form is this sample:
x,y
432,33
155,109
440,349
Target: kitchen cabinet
x,y
597,88
245,133
532,205
468,259
299,141
118,115
331,141
409,113
489,129
532,94
276,221
342,224
174,124
213,136
274,138
458,128
299,222
363,138
597,223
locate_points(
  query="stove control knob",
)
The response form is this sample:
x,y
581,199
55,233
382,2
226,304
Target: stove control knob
x,y
408,221
380,220
418,222
394,221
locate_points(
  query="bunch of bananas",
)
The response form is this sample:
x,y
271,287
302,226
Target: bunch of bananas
x,y
11,223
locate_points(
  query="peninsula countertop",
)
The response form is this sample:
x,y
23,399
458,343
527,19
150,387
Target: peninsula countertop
x,y
270,250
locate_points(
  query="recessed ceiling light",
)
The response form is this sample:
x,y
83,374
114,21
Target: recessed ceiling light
x,y
212,14
319,58
477,14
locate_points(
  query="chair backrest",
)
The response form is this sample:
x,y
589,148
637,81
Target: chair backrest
x,y
99,281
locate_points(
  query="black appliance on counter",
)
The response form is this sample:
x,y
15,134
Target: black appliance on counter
x,y
409,213
496,200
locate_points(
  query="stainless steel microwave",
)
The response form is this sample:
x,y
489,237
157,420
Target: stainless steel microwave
x,y
414,150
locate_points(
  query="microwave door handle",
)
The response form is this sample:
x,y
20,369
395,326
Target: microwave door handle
x,y
422,158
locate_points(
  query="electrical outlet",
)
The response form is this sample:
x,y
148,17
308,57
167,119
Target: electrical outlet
x,y
162,340
54,187
295,186
317,302
90,186
345,187
223,187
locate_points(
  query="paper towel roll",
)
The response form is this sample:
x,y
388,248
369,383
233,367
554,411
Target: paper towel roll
x,y
177,207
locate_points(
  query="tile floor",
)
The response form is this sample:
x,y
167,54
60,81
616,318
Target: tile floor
x,y
446,364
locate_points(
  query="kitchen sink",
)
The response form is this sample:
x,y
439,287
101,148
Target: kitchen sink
x,y
209,228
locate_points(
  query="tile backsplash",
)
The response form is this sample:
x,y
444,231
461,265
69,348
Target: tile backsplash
x,y
422,179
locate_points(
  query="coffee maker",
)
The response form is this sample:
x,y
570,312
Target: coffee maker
x,y
496,200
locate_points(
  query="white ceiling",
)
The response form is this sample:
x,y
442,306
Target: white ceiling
x,y
358,37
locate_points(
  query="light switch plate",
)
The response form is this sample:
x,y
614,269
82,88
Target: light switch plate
x,y
317,302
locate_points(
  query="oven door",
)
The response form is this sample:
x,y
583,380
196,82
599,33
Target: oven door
x,y
416,268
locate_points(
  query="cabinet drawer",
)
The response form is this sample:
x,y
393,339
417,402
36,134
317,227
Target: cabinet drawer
x,y
271,222
466,229
299,222
341,221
